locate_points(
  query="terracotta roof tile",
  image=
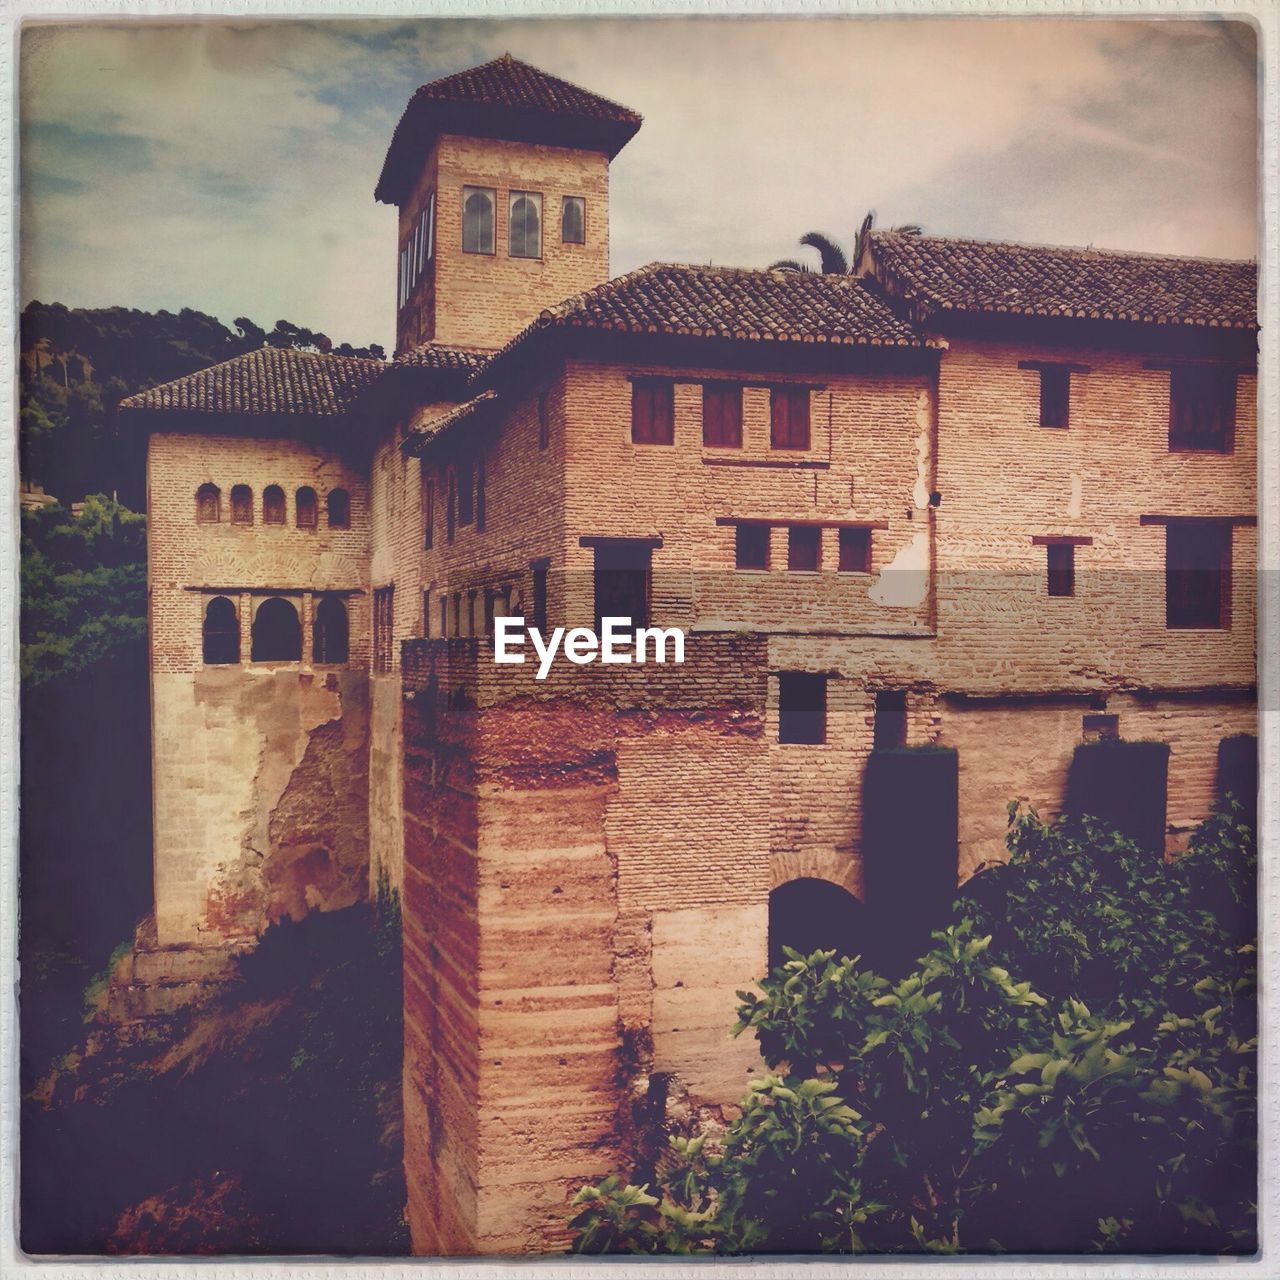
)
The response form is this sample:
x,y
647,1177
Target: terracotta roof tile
x,y
267,381
417,439
435,355
730,302
941,275
502,98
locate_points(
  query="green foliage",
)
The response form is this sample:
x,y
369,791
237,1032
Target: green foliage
x,y
981,1102
84,582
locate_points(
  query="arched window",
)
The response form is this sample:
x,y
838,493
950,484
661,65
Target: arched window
x,y
811,915
339,507
573,220
221,632
305,507
524,227
242,504
208,504
329,631
273,504
277,633
477,219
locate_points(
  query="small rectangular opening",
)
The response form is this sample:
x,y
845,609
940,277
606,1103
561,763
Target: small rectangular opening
x,y
802,707
1055,395
751,546
804,548
855,550
1061,558
890,726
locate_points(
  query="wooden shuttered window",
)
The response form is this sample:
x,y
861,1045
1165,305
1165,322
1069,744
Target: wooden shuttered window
x,y
789,418
1202,408
652,411
722,415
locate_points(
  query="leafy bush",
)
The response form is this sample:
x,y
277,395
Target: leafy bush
x,y
1071,1066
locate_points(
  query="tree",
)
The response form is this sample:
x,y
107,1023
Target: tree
x,y
966,1107
831,257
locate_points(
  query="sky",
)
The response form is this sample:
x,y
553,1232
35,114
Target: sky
x,y
230,167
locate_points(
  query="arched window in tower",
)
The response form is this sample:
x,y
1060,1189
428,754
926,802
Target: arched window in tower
x,y
477,219
221,632
524,227
277,633
273,504
339,508
329,631
208,504
304,507
573,220
241,504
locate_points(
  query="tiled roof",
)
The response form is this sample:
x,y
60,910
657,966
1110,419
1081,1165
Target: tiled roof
x,y
942,275
502,98
267,381
731,302
423,435
435,355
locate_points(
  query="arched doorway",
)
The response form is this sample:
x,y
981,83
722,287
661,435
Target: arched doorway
x,y
277,633
814,915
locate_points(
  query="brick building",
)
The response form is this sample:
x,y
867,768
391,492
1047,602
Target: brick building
x,y
983,496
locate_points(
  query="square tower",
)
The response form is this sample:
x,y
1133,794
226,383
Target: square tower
x,y
501,178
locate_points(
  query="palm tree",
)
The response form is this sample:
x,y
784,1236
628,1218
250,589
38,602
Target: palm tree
x,y
832,256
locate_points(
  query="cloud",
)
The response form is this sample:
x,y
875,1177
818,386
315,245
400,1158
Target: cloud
x,y
230,166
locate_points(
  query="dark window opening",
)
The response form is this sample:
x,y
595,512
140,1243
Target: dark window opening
x,y
1095,726
622,574
751,546
242,504
524,225
273,504
804,548
451,507
208,504
383,627
221,632
855,551
789,418
444,615
722,415
428,514
339,509
1198,574
1202,408
466,493
802,707
305,508
540,597
810,915
1061,560
277,633
653,411
480,495
477,219
457,613
426,613
890,726
1055,396
329,631
573,220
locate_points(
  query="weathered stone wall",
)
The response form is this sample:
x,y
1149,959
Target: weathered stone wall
x,y
482,300
260,770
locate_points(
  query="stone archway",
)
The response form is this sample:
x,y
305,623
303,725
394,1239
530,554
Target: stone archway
x,y
810,915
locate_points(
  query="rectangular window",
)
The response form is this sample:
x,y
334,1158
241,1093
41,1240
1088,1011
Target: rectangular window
x,y
478,204
480,508
789,418
622,570
430,215
855,551
544,422
890,726
444,615
1055,395
1061,560
383,627
751,546
426,613
457,613
722,415
539,619
1197,574
1202,408
653,411
524,225
573,220
804,548
428,514
802,707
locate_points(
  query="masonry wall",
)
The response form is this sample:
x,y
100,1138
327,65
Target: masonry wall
x,y
483,300
260,770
